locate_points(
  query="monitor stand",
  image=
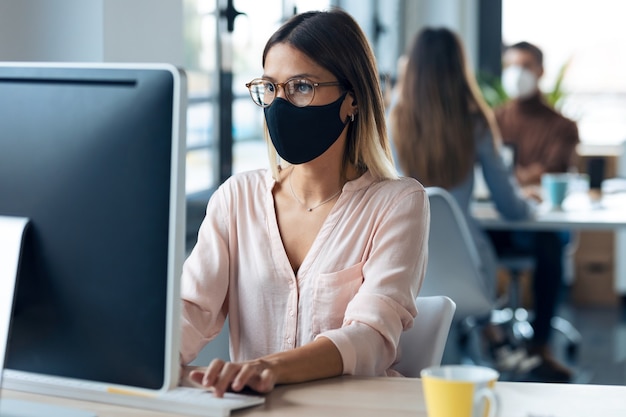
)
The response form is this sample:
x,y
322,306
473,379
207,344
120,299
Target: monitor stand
x,y
11,237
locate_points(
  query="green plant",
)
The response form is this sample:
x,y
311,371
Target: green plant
x,y
491,88
556,95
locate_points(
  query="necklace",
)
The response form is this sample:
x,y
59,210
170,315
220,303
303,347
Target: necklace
x,y
304,205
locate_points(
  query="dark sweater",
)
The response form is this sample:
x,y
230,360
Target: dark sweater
x,y
538,133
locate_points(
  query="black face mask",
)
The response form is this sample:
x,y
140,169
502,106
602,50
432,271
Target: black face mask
x,y
301,134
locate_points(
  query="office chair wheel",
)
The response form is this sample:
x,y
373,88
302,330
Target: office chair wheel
x,y
573,336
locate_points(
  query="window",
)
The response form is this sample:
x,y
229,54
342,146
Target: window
x,y
243,48
200,28
590,36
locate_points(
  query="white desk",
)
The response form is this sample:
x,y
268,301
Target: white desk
x,y
579,213
394,397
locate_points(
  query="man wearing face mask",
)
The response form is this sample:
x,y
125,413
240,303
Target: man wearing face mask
x,y
544,141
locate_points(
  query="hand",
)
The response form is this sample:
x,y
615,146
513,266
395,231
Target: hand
x,y
530,174
222,376
532,192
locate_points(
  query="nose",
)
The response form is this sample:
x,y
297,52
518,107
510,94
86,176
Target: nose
x,y
280,90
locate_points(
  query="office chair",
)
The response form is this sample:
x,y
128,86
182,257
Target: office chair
x,y
454,264
423,344
517,318
454,268
513,314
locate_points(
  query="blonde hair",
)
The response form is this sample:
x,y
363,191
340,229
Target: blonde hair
x,y
440,112
335,41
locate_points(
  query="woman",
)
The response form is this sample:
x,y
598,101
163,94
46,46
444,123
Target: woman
x,y
311,261
442,127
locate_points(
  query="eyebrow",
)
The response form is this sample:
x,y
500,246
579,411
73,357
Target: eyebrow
x,y
303,75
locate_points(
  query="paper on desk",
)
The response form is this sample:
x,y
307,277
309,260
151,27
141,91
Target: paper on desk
x,y
525,399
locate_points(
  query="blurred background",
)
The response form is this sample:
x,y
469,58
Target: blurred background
x,y
219,43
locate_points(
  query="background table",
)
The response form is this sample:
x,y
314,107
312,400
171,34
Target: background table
x,y
579,212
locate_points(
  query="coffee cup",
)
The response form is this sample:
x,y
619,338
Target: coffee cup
x,y
460,391
554,189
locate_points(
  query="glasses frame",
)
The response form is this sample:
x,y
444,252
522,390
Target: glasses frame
x,y
288,96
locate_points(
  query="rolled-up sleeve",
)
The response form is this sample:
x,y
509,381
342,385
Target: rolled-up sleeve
x,y
393,271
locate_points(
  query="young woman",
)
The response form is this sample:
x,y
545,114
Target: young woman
x,y
317,262
442,127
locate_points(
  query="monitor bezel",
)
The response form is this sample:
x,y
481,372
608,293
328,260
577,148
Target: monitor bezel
x,y
176,231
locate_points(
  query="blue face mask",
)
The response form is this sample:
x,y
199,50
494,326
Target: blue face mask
x,y
301,134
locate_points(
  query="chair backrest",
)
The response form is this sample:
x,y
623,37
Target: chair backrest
x,y
423,344
453,259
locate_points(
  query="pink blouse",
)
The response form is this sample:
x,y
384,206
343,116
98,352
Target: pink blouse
x,y
356,286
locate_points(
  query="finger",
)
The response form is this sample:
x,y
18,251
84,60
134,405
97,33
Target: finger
x,y
197,375
206,376
225,378
246,376
212,372
264,383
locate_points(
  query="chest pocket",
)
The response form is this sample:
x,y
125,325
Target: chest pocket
x,y
331,295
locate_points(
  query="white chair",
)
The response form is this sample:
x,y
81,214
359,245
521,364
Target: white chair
x,y
423,344
454,270
454,264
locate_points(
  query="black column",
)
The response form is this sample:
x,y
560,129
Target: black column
x,y
225,102
490,37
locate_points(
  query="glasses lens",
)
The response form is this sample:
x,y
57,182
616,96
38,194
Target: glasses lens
x,y
300,91
262,92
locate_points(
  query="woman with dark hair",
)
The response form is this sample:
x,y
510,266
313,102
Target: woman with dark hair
x,y
442,128
316,262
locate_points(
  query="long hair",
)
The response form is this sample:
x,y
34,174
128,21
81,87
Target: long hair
x,y
440,108
335,41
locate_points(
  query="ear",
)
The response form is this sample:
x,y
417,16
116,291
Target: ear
x,y
354,107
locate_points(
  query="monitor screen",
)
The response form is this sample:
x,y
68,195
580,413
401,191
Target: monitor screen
x,y
93,155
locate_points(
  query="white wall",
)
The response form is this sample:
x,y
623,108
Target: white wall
x,y
92,30
460,16
143,31
408,17
60,30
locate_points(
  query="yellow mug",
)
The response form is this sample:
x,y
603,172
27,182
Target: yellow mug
x,y
460,391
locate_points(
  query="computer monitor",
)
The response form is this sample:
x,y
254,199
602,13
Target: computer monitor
x,y
93,156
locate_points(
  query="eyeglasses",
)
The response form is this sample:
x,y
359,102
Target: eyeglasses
x,y
299,91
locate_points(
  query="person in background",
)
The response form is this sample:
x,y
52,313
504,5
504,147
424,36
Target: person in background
x,y
316,262
441,128
544,141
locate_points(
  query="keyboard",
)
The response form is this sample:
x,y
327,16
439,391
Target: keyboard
x,y
183,400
